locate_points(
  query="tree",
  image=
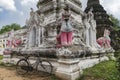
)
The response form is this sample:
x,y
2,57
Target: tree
x,y
115,34
8,28
116,23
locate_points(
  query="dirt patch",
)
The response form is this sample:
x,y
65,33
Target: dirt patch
x,y
7,73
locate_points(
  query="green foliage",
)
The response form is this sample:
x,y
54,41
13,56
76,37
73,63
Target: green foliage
x,y
115,34
53,77
8,28
116,22
118,63
103,71
117,55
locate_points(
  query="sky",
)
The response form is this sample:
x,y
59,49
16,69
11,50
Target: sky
x,y
17,11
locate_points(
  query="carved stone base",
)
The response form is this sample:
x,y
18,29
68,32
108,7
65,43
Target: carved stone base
x,y
68,69
6,58
93,50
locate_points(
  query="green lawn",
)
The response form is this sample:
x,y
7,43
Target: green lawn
x,y
1,57
103,71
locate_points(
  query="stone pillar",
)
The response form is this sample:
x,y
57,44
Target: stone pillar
x,y
61,2
39,37
87,38
27,42
53,34
43,36
30,38
68,69
5,43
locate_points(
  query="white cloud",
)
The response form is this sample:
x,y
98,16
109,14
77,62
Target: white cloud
x,y
28,2
8,5
101,1
84,4
21,13
112,7
1,9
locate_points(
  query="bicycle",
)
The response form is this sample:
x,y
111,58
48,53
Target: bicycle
x,y
24,65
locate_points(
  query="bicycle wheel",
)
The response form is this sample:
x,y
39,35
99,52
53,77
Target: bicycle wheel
x,y
45,66
22,67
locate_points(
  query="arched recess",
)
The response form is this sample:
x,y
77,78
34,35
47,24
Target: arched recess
x,y
32,37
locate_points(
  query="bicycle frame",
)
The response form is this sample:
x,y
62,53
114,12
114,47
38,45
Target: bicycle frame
x,y
35,64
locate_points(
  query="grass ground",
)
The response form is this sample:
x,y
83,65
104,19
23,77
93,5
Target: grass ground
x,y
9,73
1,57
103,71
8,70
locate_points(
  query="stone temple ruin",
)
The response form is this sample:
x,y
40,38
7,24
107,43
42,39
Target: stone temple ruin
x,y
76,48
44,25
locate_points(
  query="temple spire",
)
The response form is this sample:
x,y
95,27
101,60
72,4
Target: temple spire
x,y
100,15
92,2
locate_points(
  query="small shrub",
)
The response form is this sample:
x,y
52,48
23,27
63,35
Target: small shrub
x,y
2,64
